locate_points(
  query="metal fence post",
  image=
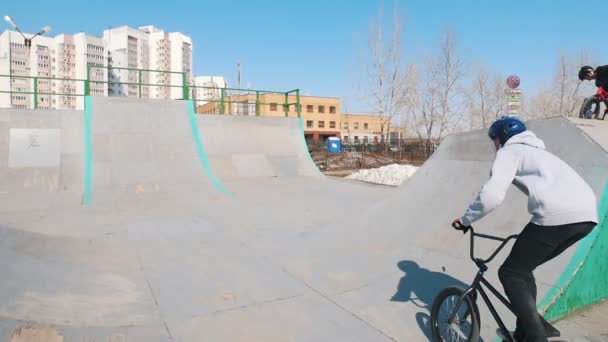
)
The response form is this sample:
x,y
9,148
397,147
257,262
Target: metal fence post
x,y
35,92
185,87
298,106
257,103
87,82
286,105
222,100
139,72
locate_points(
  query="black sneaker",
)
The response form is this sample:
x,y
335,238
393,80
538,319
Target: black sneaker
x,y
550,330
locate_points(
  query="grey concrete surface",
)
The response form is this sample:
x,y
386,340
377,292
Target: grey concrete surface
x,y
161,255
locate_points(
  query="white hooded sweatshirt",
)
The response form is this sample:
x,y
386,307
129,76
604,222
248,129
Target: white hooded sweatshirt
x,y
557,195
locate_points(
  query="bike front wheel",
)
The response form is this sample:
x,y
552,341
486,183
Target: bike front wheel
x,y
465,326
590,108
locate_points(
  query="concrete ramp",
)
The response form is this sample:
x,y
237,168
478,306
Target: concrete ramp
x,y
41,160
243,147
417,216
220,228
144,151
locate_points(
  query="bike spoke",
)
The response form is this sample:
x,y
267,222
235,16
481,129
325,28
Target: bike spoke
x,y
459,330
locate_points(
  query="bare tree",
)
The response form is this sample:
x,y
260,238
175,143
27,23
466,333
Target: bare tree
x,y
424,102
499,99
565,93
541,105
385,77
477,98
451,72
569,85
436,99
486,100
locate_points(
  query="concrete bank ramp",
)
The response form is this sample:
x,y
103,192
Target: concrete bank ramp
x,y
158,225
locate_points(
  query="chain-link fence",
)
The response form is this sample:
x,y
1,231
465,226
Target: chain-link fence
x,y
357,155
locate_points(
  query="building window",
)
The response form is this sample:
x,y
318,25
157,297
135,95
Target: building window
x,y
356,125
273,107
309,108
345,125
321,124
345,138
332,109
321,109
309,124
332,124
365,139
356,139
365,126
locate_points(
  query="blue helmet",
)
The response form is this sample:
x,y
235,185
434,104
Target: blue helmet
x,y
506,127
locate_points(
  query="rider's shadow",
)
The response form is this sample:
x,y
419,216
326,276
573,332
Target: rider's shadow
x,y
420,286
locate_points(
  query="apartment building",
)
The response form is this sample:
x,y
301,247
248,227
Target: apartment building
x,y
321,115
212,90
63,57
104,61
92,53
364,128
148,48
128,48
18,60
65,68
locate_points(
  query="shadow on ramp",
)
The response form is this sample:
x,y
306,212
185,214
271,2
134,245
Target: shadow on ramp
x,y
420,286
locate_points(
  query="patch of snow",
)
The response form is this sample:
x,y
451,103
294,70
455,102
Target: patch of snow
x,y
393,174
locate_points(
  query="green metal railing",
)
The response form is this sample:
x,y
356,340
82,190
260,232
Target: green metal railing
x,y
140,83
36,93
227,96
249,97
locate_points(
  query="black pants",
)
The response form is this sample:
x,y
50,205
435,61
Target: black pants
x,y
534,246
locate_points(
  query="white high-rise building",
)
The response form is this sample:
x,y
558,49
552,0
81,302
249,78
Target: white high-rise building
x,y
65,56
181,61
212,90
118,64
127,49
149,48
64,66
92,53
18,60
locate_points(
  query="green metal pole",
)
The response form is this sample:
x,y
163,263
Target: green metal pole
x,y
35,93
286,105
139,82
299,107
185,87
222,101
87,83
257,103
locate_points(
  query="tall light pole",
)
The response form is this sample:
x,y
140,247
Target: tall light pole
x,y
28,41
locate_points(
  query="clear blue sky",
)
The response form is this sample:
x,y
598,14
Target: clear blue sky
x,y
317,45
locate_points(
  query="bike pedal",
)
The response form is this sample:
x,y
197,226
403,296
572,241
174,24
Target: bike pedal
x,y
500,335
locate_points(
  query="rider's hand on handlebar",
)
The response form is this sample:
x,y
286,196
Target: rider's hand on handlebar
x,y
457,224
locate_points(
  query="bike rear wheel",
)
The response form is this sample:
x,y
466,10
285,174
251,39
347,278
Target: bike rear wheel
x,y
465,327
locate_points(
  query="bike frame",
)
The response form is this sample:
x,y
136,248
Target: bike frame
x,y
602,94
476,286
601,97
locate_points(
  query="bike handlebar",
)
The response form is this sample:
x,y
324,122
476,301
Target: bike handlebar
x,y
459,226
504,241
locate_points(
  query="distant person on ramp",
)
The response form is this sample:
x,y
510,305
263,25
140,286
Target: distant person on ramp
x,y
599,74
591,105
563,208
